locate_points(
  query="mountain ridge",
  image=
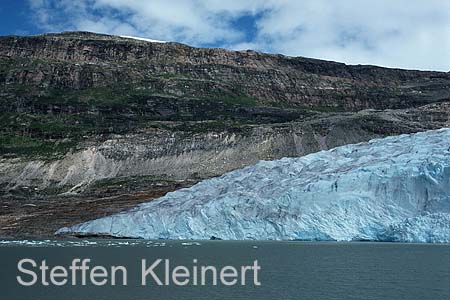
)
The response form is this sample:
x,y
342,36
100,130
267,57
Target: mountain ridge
x,y
175,58
82,35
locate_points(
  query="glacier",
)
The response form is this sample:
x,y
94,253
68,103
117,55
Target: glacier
x,y
390,189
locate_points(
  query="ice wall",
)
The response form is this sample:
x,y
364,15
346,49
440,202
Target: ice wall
x,y
395,189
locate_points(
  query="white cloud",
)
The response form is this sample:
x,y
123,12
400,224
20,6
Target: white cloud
x,y
402,33
408,34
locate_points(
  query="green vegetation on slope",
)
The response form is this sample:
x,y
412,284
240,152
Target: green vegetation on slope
x,y
49,122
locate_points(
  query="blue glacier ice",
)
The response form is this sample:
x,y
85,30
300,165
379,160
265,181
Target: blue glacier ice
x,y
390,189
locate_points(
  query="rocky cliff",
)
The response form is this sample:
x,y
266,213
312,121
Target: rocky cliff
x,y
80,60
101,115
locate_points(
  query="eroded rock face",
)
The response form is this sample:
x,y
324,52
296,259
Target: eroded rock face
x,y
394,189
181,156
85,60
174,155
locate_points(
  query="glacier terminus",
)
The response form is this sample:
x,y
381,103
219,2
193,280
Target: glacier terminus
x,y
390,189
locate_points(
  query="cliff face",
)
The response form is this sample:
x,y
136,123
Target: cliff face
x,y
85,60
104,115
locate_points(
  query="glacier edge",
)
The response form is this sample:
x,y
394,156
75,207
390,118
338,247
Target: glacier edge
x,y
390,189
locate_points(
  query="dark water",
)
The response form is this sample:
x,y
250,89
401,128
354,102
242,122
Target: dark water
x,y
289,270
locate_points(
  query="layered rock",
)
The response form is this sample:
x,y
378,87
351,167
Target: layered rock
x,y
84,60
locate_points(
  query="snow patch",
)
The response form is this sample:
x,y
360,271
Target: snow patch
x,y
142,39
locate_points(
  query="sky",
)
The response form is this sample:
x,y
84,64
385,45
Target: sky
x,y
410,34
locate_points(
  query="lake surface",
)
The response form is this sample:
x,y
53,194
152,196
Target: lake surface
x,y
289,270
